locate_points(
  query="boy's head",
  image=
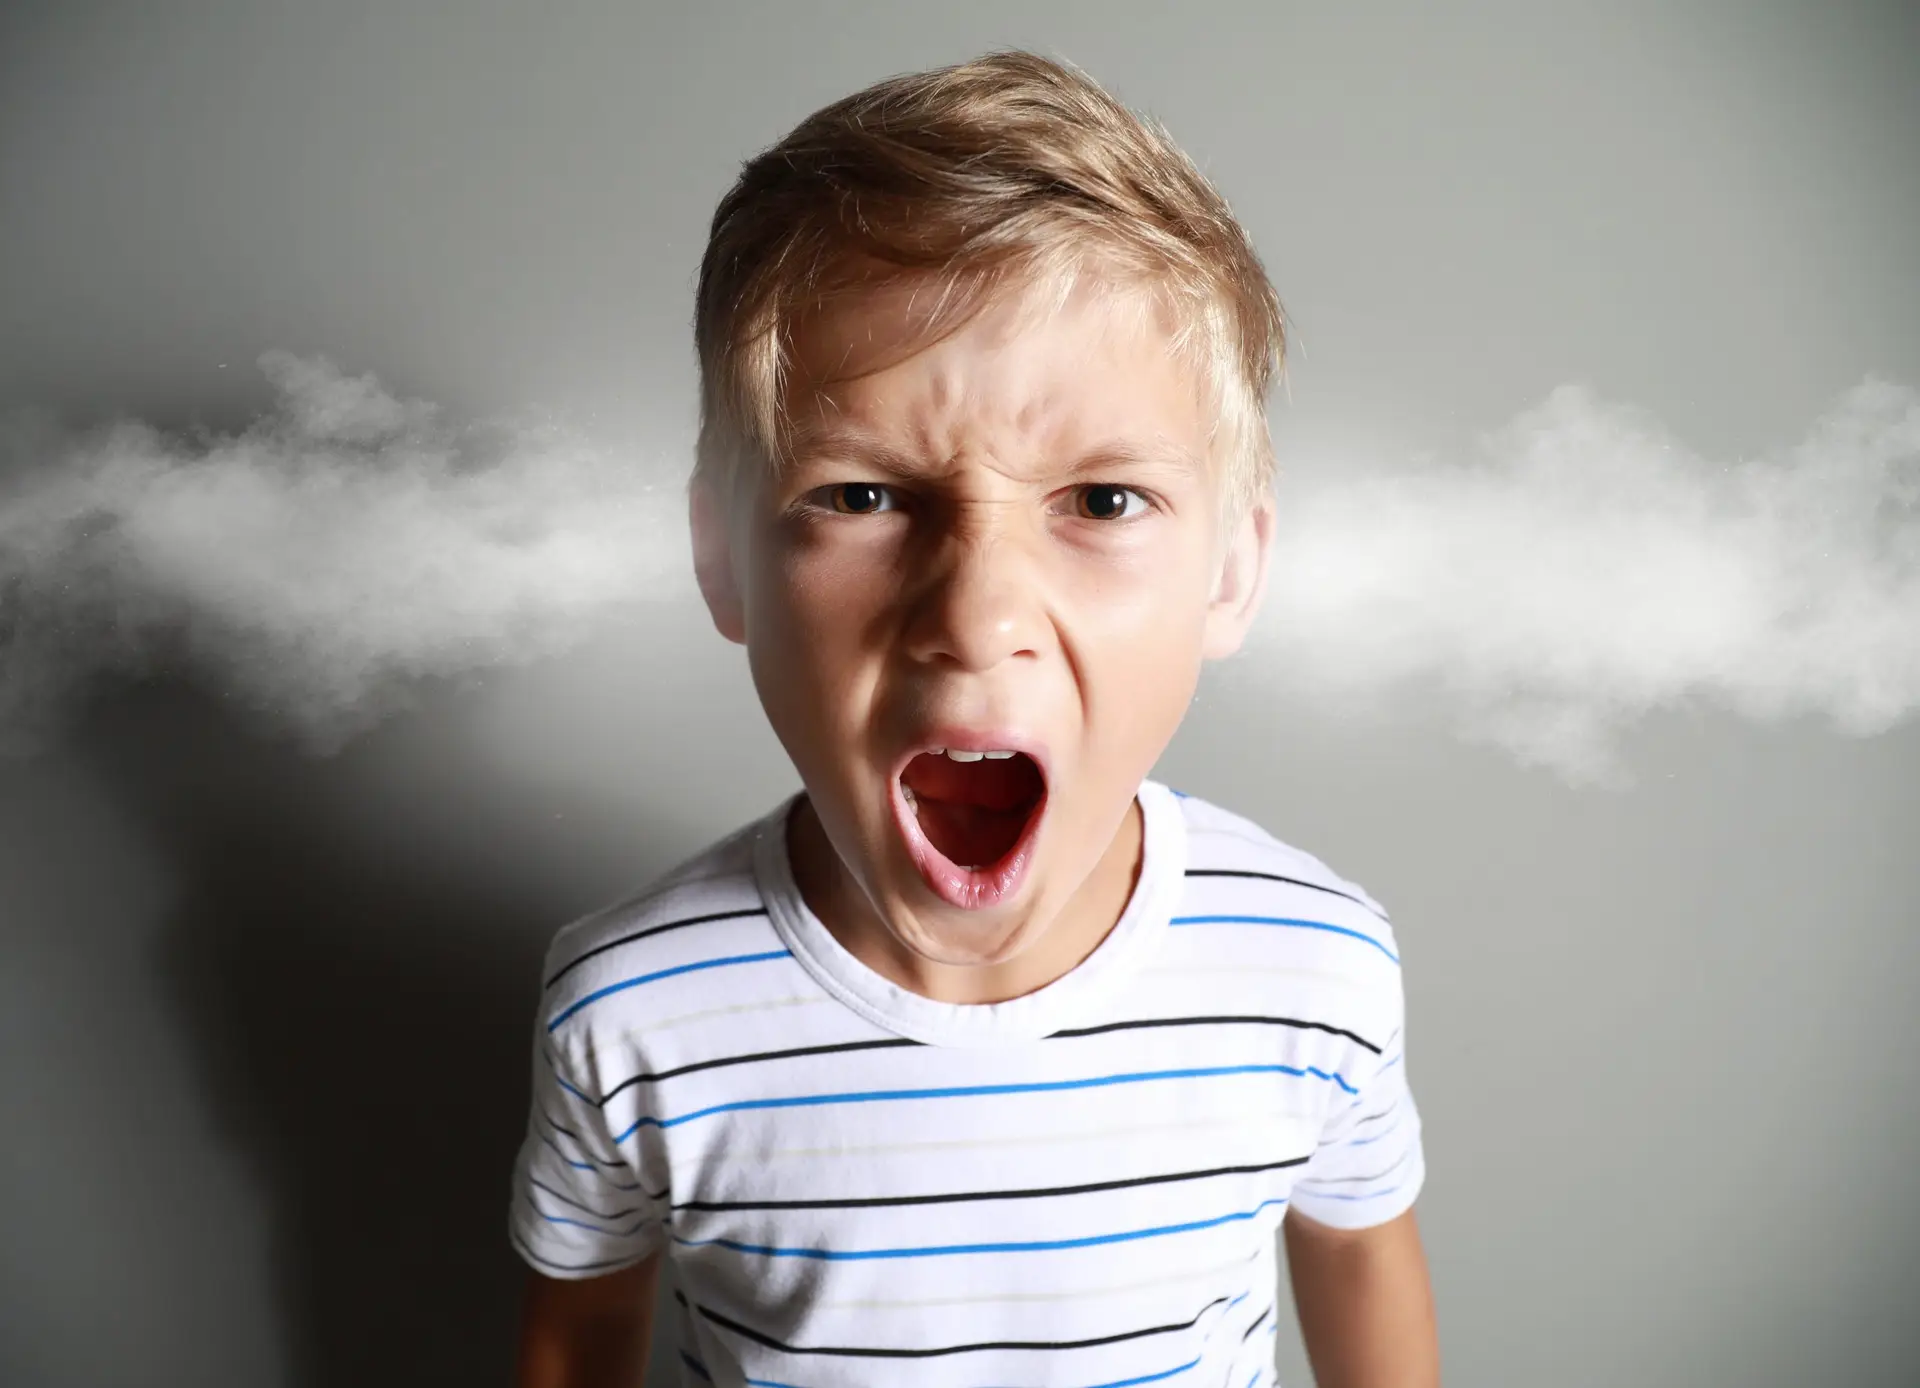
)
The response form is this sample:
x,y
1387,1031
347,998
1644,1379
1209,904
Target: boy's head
x,y
984,467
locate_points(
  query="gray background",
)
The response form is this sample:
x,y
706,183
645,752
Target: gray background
x,y
262,1015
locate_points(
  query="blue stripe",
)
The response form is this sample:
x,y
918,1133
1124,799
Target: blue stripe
x,y
561,1079
1388,1131
1110,1383
1371,1195
1146,1378
576,1165
942,1250
964,1091
625,984
597,1228
1284,920
583,1165
1165,1373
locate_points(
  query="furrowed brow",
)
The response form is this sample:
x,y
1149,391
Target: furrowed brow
x,y
1124,454
811,446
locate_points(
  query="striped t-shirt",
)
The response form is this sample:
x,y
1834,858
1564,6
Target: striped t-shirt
x,y
859,1185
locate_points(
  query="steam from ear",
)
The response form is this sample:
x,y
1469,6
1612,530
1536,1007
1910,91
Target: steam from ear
x,y
1582,570
316,565
1587,568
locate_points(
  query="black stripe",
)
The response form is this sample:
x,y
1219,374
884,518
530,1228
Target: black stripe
x,y
1290,881
606,1166
584,1209
725,1060
570,1160
521,1244
873,1353
1405,1157
651,930
955,1197
1257,1324
1220,1021
894,1042
585,1155
569,1132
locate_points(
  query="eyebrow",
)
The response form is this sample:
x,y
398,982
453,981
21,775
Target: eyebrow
x,y
808,442
1127,453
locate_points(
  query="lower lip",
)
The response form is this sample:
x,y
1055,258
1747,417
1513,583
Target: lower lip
x,y
969,889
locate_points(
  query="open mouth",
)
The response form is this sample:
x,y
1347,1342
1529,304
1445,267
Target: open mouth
x,y
969,819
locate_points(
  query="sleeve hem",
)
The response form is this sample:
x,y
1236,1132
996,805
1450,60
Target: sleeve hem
x,y
576,1264
1364,1212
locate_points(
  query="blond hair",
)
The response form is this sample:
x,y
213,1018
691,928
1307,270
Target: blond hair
x,y
1013,170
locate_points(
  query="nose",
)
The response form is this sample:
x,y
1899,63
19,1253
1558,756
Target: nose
x,y
978,604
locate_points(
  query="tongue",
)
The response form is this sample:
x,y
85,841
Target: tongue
x,y
973,812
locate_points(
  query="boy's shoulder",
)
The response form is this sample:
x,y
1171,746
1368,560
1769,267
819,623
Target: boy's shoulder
x,y
1225,844
1239,872
709,900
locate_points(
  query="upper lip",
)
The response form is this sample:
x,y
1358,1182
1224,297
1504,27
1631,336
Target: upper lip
x,y
976,740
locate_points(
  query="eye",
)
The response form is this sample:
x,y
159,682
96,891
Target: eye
x,y
859,498
1105,501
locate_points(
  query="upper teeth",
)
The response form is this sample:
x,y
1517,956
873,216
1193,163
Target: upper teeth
x,y
955,754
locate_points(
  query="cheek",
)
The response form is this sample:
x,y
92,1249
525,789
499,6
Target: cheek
x,y
1151,598
792,592
808,612
1139,634
817,581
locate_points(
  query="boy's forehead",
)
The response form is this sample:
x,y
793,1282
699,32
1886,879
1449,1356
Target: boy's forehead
x,y
1097,375
875,322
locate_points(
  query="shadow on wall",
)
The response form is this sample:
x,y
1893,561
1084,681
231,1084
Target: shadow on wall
x,y
360,1020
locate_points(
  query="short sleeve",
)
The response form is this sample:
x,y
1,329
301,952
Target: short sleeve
x,y
1369,1164
582,1203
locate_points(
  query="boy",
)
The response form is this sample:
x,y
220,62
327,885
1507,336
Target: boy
x,y
984,1059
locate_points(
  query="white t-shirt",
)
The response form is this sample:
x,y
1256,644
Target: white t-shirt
x,y
859,1185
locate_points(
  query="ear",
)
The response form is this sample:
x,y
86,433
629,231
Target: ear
x,y
1242,582
713,560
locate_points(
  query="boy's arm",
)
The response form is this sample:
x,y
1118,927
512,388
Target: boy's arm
x,y
588,1215
1365,1304
1360,1279
590,1332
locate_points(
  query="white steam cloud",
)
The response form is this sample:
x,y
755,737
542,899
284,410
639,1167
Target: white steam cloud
x,y
1587,568
317,565
1583,570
